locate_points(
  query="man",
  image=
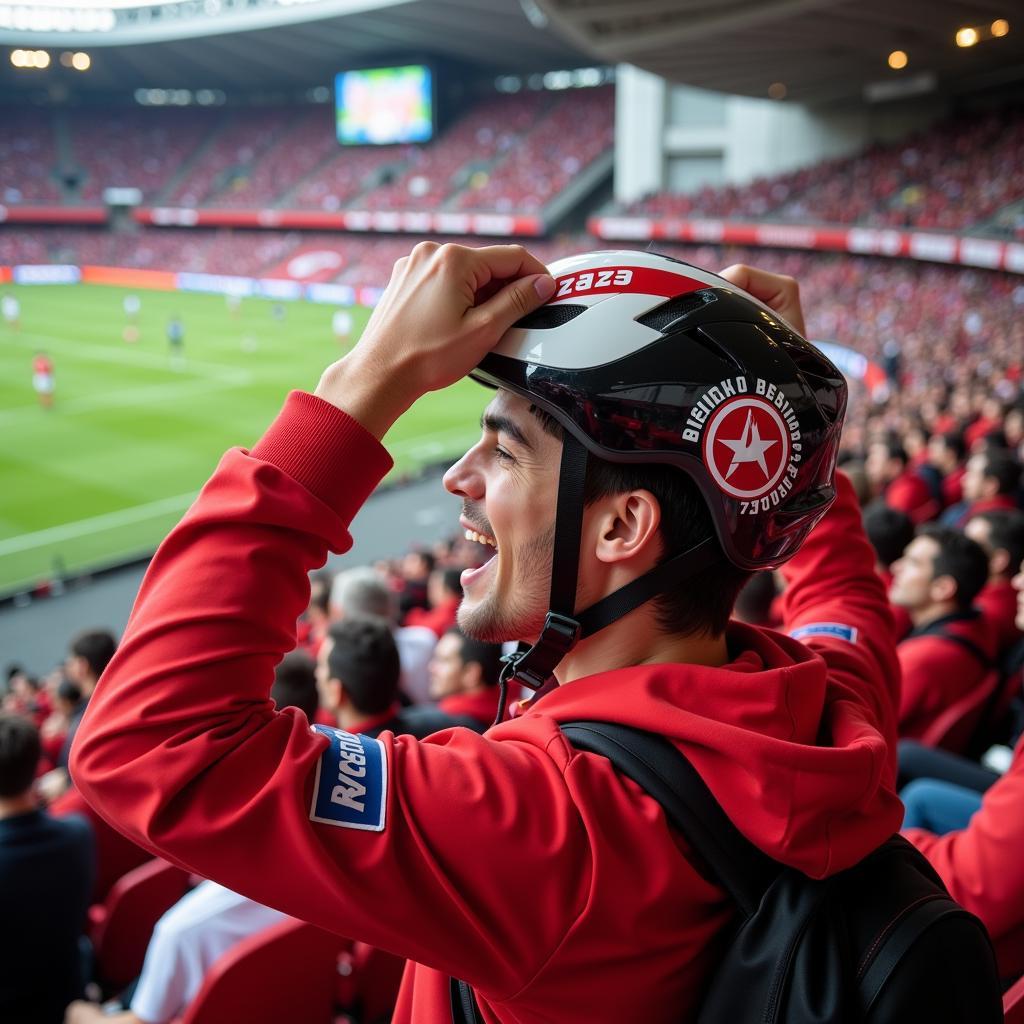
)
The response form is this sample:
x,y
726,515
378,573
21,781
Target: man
x,y
464,676
532,872
946,452
979,861
43,380
176,342
11,309
444,594
889,532
46,869
1001,534
89,653
358,676
950,652
897,482
990,482
362,592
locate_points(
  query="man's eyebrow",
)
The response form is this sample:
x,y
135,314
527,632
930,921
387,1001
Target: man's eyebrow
x,y
497,423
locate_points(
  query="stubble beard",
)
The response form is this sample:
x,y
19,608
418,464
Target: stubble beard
x,y
520,614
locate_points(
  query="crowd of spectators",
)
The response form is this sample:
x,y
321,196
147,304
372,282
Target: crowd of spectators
x,y
957,173
28,158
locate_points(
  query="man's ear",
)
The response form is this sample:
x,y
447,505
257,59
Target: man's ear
x,y
943,588
336,694
627,526
999,563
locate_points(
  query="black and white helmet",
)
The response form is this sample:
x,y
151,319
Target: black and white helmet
x,y
643,358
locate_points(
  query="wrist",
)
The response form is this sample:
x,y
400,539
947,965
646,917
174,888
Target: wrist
x,y
366,391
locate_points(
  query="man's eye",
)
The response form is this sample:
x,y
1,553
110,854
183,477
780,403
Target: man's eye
x,y
501,455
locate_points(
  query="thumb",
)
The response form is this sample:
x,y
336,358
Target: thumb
x,y
514,301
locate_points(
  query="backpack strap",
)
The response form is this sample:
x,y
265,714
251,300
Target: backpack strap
x,y
938,628
662,771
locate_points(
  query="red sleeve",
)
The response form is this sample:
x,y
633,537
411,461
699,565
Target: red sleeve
x,y
836,604
182,750
982,864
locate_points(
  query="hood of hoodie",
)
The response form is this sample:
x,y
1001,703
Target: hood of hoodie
x,y
800,770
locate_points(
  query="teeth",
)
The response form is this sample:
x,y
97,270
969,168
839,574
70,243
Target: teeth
x,y
481,538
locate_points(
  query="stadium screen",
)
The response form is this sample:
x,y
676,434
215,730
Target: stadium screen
x,y
379,106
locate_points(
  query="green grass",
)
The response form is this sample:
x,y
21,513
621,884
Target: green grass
x,y
108,471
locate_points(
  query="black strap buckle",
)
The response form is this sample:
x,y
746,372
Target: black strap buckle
x,y
533,668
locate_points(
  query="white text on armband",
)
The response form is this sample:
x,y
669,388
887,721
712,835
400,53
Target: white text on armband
x,y
350,788
828,630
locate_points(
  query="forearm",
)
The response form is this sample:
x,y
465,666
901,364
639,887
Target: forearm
x,y
217,611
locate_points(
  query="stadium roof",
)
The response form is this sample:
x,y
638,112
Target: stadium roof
x,y
272,44
821,51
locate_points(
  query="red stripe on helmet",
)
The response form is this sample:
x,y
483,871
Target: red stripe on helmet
x,y
622,280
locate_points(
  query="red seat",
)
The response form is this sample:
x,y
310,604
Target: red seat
x,y
953,729
1013,1003
284,973
121,926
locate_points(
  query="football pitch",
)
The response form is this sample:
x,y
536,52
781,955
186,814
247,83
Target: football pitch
x,y
132,435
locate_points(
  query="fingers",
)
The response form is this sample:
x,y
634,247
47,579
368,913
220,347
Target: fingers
x,y
780,292
513,302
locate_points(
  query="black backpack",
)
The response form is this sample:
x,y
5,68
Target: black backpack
x,y
879,943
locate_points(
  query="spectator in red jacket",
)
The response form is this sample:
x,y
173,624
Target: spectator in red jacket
x,y
946,452
1001,533
444,592
897,482
464,676
980,860
950,650
990,482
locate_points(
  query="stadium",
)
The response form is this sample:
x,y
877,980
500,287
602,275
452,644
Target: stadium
x,y
233,237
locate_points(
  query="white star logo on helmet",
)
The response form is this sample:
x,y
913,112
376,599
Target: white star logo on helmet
x,y
746,447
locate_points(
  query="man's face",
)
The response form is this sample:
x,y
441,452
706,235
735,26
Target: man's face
x,y
913,574
508,483
974,478
878,465
325,691
980,531
940,455
446,667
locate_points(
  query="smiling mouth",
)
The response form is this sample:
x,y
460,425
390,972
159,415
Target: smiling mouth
x,y
481,538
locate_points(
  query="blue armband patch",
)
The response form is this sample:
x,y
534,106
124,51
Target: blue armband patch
x,y
829,630
351,785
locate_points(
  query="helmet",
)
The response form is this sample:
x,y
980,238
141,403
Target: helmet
x,y
643,358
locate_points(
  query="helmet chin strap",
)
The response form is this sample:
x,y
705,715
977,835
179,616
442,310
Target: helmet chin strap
x,y
563,627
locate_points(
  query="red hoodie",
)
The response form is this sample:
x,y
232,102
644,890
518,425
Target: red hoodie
x,y
997,602
982,864
533,871
939,672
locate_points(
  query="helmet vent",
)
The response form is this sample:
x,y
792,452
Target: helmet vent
x,y
664,317
549,316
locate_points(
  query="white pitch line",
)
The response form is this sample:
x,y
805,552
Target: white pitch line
x,y
152,509
96,524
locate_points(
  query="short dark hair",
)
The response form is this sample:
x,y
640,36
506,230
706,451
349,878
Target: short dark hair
x,y
954,441
961,558
69,691
365,659
476,652
754,601
701,603
451,579
97,647
20,750
1006,532
1001,466
295,684
888,530
893,447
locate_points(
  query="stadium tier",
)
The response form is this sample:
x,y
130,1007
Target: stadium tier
x,y
956,174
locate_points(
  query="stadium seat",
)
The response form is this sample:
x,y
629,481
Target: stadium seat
x,y
284,973
368,980
120,927
954,728
1013,1003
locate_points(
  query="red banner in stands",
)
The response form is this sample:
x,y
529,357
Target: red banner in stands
x,y
53,214
916,245
389,221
